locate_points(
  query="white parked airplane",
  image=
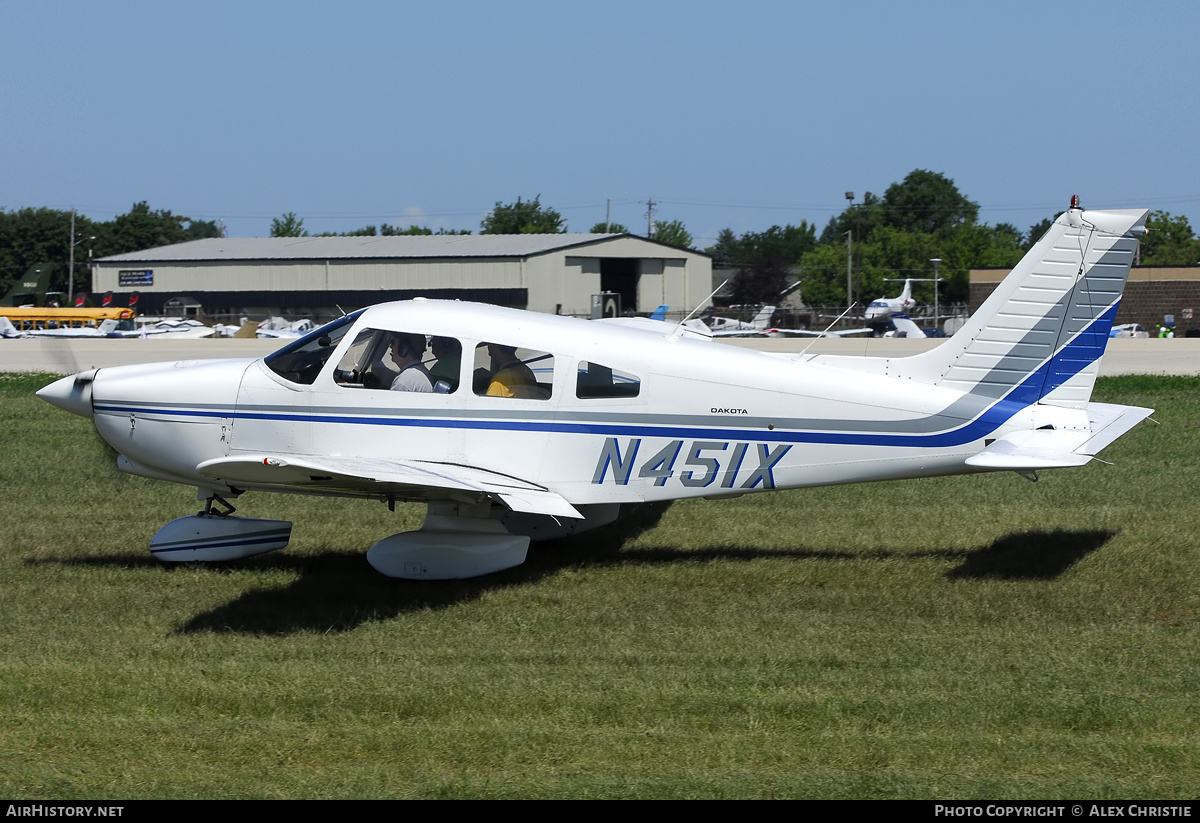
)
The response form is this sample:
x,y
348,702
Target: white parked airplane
x,y
278,327
107,328
898,325
891,305
7,329
730,327
541,426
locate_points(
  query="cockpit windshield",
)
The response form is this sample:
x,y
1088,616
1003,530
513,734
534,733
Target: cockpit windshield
x,y
301,361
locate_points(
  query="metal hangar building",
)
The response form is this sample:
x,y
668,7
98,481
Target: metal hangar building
x,y
317,276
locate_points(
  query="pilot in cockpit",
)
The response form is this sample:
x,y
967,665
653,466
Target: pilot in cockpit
x,y
407,350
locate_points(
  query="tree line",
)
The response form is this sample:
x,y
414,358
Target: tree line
x,y
39,235
892,236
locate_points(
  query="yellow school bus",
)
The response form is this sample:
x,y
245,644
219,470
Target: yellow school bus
x,y
35,319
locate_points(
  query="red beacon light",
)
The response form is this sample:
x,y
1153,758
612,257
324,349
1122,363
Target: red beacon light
x,y
1074,201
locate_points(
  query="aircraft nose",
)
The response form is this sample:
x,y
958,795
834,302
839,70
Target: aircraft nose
x,y
74,393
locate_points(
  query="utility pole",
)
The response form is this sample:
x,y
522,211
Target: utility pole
x,y
71,264
650,204
74,241
849,270
849,261
936,261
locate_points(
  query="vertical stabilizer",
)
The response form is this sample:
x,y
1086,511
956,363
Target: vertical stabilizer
x,y
1039,337
30,289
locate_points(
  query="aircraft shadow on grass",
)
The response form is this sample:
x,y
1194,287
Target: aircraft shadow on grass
x,y
335,592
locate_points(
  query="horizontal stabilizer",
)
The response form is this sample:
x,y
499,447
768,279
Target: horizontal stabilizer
x,y
1060,448
1108,422
410,479
1030,450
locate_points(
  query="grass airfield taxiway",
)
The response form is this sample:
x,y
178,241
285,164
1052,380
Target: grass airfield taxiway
x,y
1179,356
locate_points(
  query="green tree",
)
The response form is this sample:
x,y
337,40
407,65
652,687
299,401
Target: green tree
x,y
726,251
672,232
927,202
761,282
523,217
201,229
823,271
31,236
140,228
1169,241
787,242
1036,231
289,225
860,218
608,228
395,231
765,260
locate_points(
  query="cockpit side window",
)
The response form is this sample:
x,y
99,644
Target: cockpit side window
x,y
302,360
400,361
595,381
502,370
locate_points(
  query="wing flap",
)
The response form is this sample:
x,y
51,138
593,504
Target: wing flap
x,y
374,476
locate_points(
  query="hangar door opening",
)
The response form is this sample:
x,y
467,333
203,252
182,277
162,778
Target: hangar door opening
x,y
620,274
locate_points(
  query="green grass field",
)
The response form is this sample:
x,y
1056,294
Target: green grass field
x,y
969,637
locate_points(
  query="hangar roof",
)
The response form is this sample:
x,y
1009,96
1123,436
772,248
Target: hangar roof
x,y
336,248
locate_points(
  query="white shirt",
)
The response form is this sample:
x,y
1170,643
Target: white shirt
x,y
413,377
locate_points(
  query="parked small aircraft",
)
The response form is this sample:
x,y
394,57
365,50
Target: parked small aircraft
x,y
519,425
730,327
278,327
106,328
897,325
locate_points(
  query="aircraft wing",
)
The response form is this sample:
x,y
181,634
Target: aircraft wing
x,y
806,333
410,479
741,333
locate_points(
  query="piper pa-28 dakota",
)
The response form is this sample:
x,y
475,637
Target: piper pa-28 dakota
x,y
518,426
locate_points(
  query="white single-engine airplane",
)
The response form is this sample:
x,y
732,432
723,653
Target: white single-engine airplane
x,y
540,426
730,327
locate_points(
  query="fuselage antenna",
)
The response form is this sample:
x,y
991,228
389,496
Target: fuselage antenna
x,y
827,328
679,329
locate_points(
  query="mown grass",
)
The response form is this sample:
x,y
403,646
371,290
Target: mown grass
x,y
973,637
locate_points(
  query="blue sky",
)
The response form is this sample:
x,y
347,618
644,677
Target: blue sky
x,y
726,115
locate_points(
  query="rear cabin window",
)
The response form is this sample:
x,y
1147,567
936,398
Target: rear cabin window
x,y
502,370
596,381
